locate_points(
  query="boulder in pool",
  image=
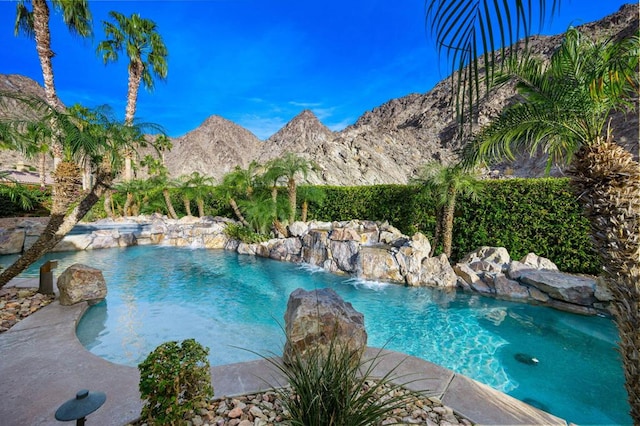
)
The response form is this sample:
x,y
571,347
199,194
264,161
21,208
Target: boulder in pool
x,y
317,319
81,283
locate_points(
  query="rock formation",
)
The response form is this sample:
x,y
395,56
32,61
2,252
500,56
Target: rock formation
x,y
366,250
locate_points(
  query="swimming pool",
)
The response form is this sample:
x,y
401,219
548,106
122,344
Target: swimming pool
x,y
228,301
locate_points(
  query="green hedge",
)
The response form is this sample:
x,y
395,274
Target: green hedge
x,y
523,215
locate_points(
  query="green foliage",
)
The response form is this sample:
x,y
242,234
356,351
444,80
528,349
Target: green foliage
x,y
22,200
335,388
244,234
522,215
400,205
174,380
528,215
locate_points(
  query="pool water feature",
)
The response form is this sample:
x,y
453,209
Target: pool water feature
x,y
235,303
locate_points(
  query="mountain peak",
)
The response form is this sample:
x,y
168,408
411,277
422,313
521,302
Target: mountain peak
x,y
302,133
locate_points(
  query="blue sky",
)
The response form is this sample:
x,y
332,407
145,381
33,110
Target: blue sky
x,y
258,63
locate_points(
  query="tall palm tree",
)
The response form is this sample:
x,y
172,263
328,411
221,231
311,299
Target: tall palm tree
x,y
475,36
564,109
446,183
34,23
147,53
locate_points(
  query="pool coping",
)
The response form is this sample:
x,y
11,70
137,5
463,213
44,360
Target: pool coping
x,y
43,365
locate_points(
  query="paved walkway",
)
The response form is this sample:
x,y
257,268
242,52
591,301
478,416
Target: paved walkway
x,y
42,364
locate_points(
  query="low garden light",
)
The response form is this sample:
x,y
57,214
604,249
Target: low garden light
x,y
81,406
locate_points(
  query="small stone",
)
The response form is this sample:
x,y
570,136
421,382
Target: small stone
x,y
235,413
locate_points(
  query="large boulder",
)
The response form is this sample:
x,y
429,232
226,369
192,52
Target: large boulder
x,y
314,320
81,283
377,264
314,247
437,272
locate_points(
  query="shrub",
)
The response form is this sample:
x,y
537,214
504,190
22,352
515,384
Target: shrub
x,y
332,388
244,234
174,380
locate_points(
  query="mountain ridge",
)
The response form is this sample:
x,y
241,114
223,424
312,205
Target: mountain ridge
x,y
387,144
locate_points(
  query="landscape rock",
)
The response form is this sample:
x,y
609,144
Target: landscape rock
x,y
538,262
497,255
315,319
344,254
81,283
437,272
570,288
298,229
314,247
508,289
378,264
11,240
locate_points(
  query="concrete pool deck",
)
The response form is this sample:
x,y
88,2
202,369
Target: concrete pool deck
x,y
43,365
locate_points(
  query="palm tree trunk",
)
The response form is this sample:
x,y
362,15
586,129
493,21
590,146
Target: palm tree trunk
x,y
187,205
135,77
167,200
305,210
59,225
447,223
606,180
127,204
437,234
108,197
200,203
238,213
42,169
291,189
43,46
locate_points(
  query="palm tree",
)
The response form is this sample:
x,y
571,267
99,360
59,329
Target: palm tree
x,y
147,55
160,180
565,106
198,186
290,165
310,194
446,183
239,183
99,138
34,23
475,36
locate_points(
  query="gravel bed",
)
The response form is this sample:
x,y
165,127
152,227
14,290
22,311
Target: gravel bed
x,y
266,409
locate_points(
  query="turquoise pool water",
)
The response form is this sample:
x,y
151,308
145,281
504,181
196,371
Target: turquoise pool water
x,y
227,301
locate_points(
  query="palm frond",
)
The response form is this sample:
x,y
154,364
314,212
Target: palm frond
x,y
469,33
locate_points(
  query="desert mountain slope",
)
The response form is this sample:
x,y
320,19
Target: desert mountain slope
x,y
388,144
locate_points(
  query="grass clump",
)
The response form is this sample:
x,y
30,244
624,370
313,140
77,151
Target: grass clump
x,y
336,387
174,381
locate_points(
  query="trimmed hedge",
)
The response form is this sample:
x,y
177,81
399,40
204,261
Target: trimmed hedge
x,y
522,215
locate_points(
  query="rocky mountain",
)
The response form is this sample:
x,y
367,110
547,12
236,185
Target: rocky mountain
x,y
213,149
388,144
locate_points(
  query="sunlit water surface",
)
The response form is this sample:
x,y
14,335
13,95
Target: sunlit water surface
x,y
231,303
